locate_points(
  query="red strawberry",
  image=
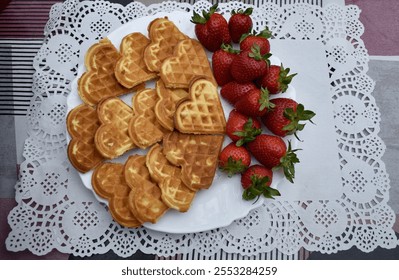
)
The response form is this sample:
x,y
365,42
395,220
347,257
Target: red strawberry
x,y
276,80
212,29
221,62
233,91
255,103
242,129
249,65
240,23
256,181
272,152
233,159
285,117
261,39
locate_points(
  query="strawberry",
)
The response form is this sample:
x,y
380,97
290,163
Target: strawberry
x,y
221,62
272,152
249,65
242,129
276,80
233,91
261,39
240,23
255,103
285,117
256,181
212,29
233,159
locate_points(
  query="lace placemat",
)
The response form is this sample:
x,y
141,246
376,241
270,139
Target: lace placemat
x,y
55,211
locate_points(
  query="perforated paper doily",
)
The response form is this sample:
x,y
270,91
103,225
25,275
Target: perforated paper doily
x,y
55,211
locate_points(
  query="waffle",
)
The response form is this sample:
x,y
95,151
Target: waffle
x,y
99,82
196,154
130,70
164,36
203,112
145,198
82,124
166,105
112,137
144,129
189,60
174,193
109,182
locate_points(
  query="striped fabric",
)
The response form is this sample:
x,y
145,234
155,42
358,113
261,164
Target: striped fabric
x,y
16,70
21,35
258,2
272,255
24,19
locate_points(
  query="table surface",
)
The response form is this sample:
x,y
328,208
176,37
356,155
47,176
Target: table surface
x,y
21,35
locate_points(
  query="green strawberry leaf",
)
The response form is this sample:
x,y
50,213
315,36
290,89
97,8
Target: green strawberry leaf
x,y
198,19
233,166
284,78
229,48
259,186
264,100
288,161
295,117
248,133
246,12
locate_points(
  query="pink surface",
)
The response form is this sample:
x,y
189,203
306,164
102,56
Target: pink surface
x,y
381,22
6,205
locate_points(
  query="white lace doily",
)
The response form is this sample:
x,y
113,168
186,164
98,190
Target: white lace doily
x,y
55,211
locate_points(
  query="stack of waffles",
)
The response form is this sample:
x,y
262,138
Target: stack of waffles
x,y
180,123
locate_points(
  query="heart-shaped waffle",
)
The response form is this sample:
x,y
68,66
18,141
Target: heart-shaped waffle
x,y
166,105
145,198
99,82
188,62
144,128
175,194
130,70
203,112
164,36
196,154
82,124
108,181
112,138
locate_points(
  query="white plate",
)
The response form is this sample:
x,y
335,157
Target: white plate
x,y
222,203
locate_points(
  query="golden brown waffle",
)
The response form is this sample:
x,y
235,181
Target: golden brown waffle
x,y
145,198
144,128
164,36
188,62
174,193
108,181
112,137
82,124
130,70
166,105
203,112
196,154
99,82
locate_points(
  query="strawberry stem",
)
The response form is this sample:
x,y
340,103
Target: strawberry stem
x,y
284,78
259,186
198,19
233,166
265,33
246,12
300,114
229,48
248,133
287,163
264,100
